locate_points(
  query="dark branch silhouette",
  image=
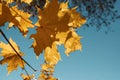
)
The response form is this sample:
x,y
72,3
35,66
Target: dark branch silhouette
x,y
16,51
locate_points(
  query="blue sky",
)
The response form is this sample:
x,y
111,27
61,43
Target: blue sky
x,y
98,60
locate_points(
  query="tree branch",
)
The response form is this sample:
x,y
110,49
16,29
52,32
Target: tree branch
x,y
16,51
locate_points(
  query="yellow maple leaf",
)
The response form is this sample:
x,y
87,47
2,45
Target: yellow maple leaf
x,y
44,77
62,37
6,15
42,39
8,1
23,19
51,54
15,17
73,43
26,1
10,57
46,67
54,20
26,77
76,20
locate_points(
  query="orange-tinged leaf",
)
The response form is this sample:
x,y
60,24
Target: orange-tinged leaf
x,y
42,77
62,37
10,57
8,1
51,54
26,1
26,77
46,67
73,43
42,39
76,20
23,19
51,22
6,15
15,17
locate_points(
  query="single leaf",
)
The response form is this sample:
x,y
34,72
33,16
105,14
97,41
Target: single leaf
x,y
6,15
76,20
42,39
23,19
53,22
8,1
49,25
62,37
26,77
73,43
47,67
44,77
51,54
26,1
10,57
16,17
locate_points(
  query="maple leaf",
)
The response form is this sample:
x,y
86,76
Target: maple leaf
x,y
53,20
51,54
26,77
44,77
76,20
46,67
23,19
73,43
6,1
62,37
15,17
6,15
26,1
70,39
10,57
9,1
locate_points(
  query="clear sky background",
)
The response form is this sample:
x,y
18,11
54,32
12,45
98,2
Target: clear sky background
x,y
99,59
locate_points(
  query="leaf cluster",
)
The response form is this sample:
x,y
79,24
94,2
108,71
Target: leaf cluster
x,y
55,26
99,13
56,21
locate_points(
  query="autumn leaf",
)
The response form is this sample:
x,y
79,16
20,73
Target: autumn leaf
x,y
16,17
10,57
6,15
26,77
73,43
54,20
8,1
62,37
51,54
23,19
26,1
46,66
76,20
44,77
42,39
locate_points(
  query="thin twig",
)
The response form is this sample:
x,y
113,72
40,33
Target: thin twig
x,y
16,51
27,74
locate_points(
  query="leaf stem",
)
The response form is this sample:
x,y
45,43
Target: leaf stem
x,y
16,51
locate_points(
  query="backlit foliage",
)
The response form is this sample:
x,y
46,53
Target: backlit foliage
x,y
10,57
55,26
